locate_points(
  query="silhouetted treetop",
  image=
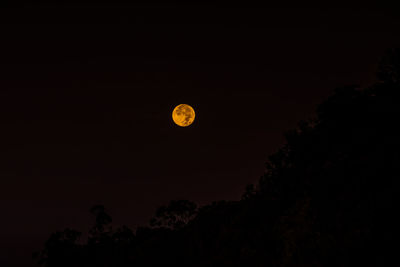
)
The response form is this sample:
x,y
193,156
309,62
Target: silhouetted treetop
x,y
175,215
389,68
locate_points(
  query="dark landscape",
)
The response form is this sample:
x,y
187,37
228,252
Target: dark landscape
x,y
293,158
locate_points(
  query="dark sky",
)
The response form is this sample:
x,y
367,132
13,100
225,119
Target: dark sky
x,y
87,91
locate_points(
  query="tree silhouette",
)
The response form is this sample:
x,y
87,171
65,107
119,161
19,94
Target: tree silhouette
x,y
61,249
174,216
102,228
337,178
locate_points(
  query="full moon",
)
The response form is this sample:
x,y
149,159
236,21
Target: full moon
x,y
183,115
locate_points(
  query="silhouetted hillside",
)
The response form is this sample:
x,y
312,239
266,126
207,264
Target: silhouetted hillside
x,y
329,197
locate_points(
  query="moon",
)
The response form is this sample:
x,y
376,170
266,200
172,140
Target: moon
x,y
183,115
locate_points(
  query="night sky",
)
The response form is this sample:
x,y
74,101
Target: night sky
x,y
87,91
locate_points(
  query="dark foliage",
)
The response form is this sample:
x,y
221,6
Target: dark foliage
x,y
177,214
329,197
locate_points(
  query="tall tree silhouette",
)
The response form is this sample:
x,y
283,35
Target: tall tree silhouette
x,y
102,228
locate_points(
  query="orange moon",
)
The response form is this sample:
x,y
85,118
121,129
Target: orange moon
x,y
183,115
